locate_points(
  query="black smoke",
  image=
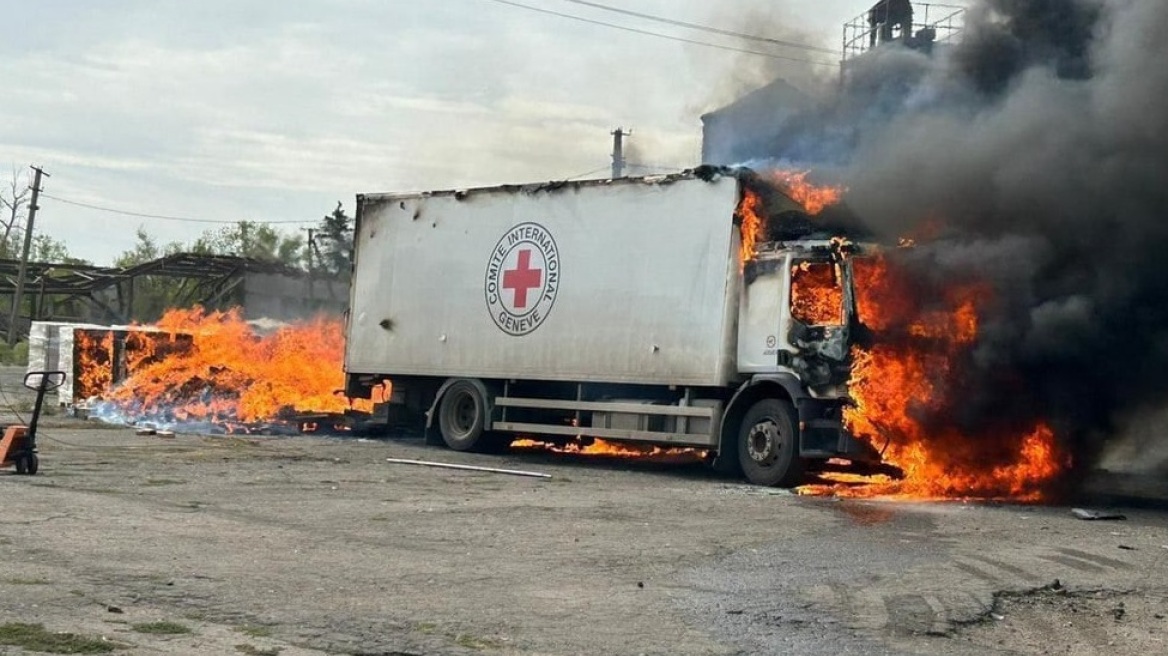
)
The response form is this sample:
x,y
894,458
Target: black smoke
x,y
1038,148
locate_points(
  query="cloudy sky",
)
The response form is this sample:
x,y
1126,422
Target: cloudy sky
x,y
273,111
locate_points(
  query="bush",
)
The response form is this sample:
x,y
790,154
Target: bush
x,y
20,354
14,355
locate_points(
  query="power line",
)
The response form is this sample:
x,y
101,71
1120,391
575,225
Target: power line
x,y
158,216
705,28
662,36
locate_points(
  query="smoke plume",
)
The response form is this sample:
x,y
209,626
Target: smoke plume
x,y
1036,152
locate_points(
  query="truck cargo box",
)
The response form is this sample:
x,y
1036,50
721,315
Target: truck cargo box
x,y
625,281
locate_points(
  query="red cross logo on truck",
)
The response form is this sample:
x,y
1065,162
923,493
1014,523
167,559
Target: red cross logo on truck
x,y
523,279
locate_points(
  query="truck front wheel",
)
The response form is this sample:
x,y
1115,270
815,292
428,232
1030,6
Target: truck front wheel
x,y
462,416
768,447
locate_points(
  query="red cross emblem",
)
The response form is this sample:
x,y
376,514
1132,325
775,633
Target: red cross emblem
x,y
522,279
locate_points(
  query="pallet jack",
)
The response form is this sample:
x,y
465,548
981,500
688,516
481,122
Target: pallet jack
x,y
18,446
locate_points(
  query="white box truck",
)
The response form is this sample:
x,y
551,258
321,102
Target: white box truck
x,y
623,309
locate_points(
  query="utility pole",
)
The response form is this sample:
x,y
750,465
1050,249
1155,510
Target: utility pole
x,y
310,244
618,152
18,294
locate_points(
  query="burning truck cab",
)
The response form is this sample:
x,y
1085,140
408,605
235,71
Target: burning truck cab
x,y
704,310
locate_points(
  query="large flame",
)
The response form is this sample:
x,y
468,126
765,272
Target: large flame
x,y
213,367
751,215
95,366
750,224
905,398
813,198
817,298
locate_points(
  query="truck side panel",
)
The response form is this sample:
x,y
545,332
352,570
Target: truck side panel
x,y
629,281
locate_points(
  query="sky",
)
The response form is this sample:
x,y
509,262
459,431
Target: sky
x,y
227,110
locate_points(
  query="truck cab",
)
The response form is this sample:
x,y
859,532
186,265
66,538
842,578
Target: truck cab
x,y
797,318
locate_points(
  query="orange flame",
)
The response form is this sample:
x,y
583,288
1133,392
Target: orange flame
x,y
750,224
901,388
817,298
599,447
751,215
94,362
813,198
216,368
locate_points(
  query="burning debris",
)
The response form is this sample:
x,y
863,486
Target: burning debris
x,y
197,371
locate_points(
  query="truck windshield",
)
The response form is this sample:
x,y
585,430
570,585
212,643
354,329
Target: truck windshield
x,y
817,295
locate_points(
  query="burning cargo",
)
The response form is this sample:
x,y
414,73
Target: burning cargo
x,y
208,372
651,310
96,358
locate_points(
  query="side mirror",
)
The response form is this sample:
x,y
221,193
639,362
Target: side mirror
x,y
46,380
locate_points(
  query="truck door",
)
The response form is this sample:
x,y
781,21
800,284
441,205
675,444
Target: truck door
x,y
763,315
822,306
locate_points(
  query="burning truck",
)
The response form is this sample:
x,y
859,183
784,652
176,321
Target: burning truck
x,y
705,309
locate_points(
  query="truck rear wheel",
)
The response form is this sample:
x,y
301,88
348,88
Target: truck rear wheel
x,y
462,417
768,447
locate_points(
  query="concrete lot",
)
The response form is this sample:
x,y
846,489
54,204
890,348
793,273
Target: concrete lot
x,y
316,545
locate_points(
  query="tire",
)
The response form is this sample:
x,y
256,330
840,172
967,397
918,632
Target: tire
x,y
32,465
726,463
21,465
768,448
462,417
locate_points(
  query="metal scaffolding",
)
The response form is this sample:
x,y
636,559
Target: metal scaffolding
x,y
207,280
931,23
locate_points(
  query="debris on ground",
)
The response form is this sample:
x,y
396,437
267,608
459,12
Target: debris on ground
x,y
447,465
1089,515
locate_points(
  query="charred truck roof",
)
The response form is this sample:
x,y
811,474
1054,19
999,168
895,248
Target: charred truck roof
x,y
787,221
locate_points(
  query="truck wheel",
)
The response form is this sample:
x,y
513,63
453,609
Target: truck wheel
x,y
462,417
768,445
32,464
21,465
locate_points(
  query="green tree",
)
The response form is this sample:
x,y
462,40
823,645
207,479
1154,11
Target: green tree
x,y
252,240
46,249
152,295
145,249
334,243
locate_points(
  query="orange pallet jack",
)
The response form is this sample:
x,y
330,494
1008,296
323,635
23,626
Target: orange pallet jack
x,y
18,446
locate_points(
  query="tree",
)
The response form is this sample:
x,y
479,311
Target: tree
x,y
144,250
46,249
152,295
252,240
333,243
14,198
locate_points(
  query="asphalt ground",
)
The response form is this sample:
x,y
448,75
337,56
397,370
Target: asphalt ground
x,y
310,545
